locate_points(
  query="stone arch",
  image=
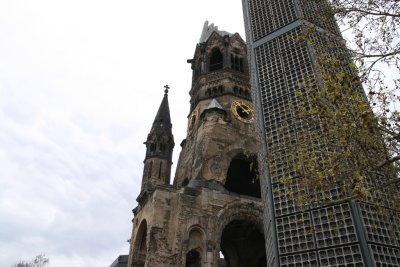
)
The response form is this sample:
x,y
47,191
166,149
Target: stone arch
x,y
196,238
245,221
252,211
140,245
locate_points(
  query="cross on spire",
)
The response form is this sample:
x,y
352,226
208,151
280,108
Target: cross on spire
x,y
166,88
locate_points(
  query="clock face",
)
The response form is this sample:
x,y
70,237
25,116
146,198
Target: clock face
x,y
242,111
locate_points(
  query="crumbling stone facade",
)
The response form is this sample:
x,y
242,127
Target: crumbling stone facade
x,y
214,205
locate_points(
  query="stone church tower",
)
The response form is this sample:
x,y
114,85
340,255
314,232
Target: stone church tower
x,y
214,206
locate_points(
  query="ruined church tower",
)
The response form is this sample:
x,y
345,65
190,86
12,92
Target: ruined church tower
x,y
211,215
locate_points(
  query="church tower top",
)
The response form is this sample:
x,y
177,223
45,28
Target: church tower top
x,y
208,29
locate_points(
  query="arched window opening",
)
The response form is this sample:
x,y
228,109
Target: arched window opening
x,y
242,176
216,60
242,244
220,89
139,257
235,89
193,259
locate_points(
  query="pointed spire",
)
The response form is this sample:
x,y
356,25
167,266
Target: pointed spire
x,y
162,122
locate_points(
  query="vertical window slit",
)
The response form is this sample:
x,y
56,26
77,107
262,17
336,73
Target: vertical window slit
x,y
159,171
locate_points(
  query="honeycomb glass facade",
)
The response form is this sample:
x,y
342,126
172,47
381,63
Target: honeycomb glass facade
x,y
347,233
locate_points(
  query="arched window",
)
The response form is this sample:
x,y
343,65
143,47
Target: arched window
x,y
216,60
242,176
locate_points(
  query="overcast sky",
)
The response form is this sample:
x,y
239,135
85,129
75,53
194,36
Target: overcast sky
x,y
80,84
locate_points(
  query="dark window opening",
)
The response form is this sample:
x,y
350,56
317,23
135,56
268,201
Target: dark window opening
x,y
163,147
143,244
193,259
185,182
216,60
139,257
242,244
152,147
237,63
215,91
150,169
159,171
242,177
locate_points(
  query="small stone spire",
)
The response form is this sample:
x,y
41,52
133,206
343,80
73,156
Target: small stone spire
x,y
159,147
